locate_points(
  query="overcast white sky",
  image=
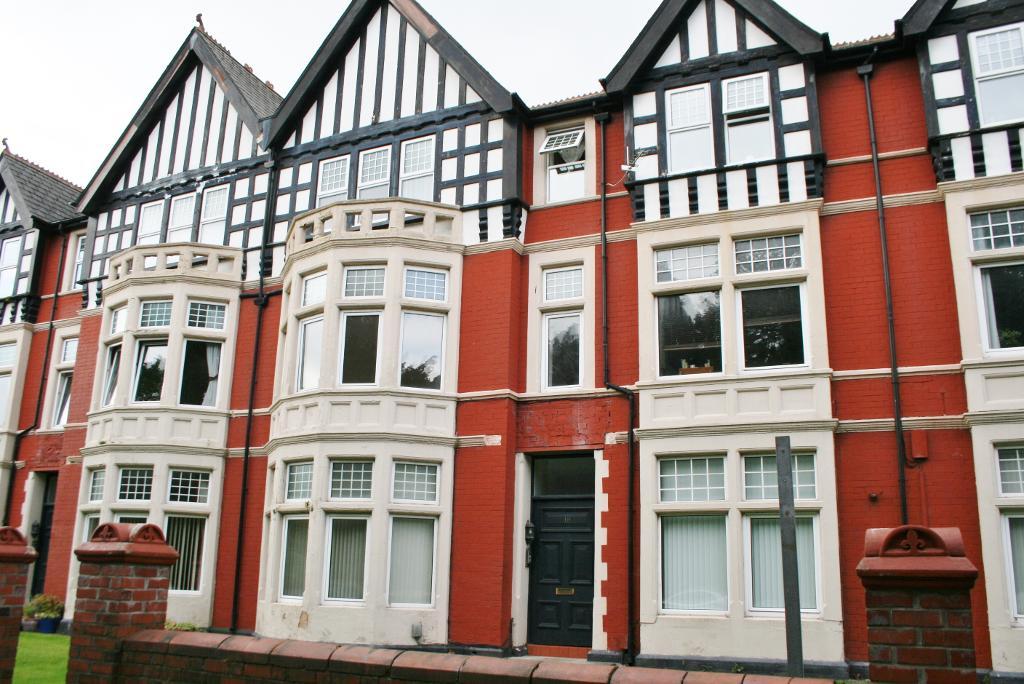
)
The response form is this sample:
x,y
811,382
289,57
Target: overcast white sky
x,y
74,72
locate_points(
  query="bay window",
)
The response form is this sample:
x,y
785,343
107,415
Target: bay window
x,y
422,355
1003,292
375,173
772,327
179,226
150,364
185,534
690,333
293,557
310,353
416,180
998,60
411,570
359,348
346,562
563,350
200,373
214,217
333,182
565,155
691,142
748,119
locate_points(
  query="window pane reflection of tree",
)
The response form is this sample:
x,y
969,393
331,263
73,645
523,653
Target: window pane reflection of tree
x,y
772,330
690,333
421,351
563,351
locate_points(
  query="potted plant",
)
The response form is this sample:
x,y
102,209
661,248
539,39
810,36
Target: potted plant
x,y
47,611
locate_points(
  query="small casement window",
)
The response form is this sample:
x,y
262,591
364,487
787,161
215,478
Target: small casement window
x,y
748,119
213,221
999,73
1004,305
189,486
1015,532
364,281
422,359
773,332
351,479
69,350
62,403
333,183
111,373
299,484
118,320
691,143
150,364
687,263
761,477
563,283
92,523
293,557
78,270
765,569
10,251
763,255
206,315
155,314
375,173
427,285
690,333
97,481
415,482
311,334
359,350
694,478
411,570
563,350
346,562
183,217
997,229
136,484
1011,471
565,155
417,171
314,289
151,217
8,354
185,534
694,567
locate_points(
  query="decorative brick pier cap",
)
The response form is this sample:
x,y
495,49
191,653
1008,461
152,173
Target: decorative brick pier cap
x,y
912,557
121,543
14,548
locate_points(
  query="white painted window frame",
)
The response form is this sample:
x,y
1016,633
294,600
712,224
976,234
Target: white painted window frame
x,y
748,573
416,502
368,267
722,511
984,310
670,128
190,226
403,176
329,518
345,315
136,371
205,219
425,269
325,197
203,579
301,355
703,286
433,572
726,111
563,269
443,361
976,72
281,596
363,186
304,300
545,353
149,238
804,327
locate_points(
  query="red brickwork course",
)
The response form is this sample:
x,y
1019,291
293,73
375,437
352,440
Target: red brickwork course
x,y
918,586
15,557
122,590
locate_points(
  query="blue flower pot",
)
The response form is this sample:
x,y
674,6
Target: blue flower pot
x,y
48,625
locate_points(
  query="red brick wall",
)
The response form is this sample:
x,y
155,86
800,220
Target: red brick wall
x,y
493,322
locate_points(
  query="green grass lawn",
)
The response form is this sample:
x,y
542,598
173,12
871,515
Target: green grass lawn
x,y
42,658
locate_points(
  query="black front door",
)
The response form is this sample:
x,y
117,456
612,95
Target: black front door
x,y
42,533
562,565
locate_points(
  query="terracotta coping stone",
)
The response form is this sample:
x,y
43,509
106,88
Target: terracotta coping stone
x,y
486,670
563,671
766,679
917,558
255,650
194,643
149,641
713,678
363,660
124,544
418,666
14,548
641,675
308,655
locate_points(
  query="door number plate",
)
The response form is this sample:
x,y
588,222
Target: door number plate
x,y
565,591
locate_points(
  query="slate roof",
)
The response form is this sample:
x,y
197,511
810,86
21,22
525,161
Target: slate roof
x,y
43,194
260,96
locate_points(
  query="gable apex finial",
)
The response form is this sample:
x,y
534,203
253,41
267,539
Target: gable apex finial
x,y
199,22
7,147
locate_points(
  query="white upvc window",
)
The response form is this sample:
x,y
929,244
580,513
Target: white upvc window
x,y
314,289
750,134
118,320
345,570
90,524
62,401
78,268
214,218
761,477
364,281
416,178
689,333
426,284
562,284
773,334
998,62
691,478
136,483
694,563
186,534
200,373
150,366
351,480
763,554
1000,229
97,484
691,140
155,314
10,254
299,481
563,358
182,219
311,336
412,555
360,355
1015,552
1011,470
294,545
421,363
764,255
1002,291
692,262
111,374
206,315
189,486
415,482
565,154
375,173
8,355
69,350
151,218
333,181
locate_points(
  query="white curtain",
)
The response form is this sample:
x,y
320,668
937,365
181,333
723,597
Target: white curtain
x,y
213,372
1017,556
185,535
694,573
348,558
293,583
766,563
412,560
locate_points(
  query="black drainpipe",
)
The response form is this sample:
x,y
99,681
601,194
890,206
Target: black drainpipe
x,y
46,371
602,120
866,71
261,300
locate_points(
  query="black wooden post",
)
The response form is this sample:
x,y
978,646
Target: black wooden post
x,y
790,569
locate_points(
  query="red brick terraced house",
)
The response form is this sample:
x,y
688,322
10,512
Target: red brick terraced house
x,y
396,359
